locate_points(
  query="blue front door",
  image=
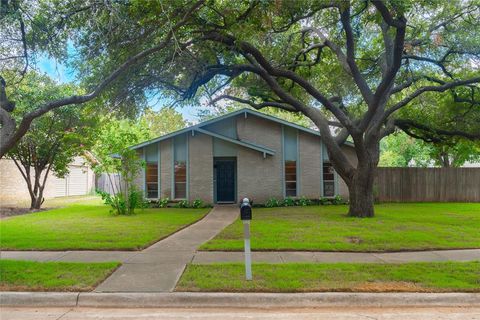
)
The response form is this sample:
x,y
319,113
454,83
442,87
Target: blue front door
x,y
225,179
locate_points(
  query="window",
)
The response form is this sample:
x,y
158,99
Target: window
x,y
180,180
180,167
151,171
151,178
290,154
290,178
328,180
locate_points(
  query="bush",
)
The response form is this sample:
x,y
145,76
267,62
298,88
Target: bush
x,y
324,201
182,204
288,202
197,203
272,202
338,200
303,201
163,203
120,205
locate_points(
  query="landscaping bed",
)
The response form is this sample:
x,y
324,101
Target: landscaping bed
x,y
90,226
319,277
17,275
396,227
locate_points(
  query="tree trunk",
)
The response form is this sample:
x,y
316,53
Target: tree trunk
x,y
37,194
361,200
36,202
361,191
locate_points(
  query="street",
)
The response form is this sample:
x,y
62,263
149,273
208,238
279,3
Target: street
x,y
230,314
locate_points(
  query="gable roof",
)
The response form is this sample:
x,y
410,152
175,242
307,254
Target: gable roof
x,y
198,128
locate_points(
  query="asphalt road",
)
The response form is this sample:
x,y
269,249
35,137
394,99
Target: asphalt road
x,y
230,314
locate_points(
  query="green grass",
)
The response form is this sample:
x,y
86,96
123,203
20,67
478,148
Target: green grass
x,y
396,227
89,225
16,275
311,277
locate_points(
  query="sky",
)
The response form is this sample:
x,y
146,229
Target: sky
x,y
64,74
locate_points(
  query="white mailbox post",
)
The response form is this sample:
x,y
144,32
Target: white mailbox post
x,y
246,217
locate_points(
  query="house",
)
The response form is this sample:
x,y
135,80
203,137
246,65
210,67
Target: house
x,y
245,153
13,189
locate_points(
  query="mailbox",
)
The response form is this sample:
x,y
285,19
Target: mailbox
x,y
245,210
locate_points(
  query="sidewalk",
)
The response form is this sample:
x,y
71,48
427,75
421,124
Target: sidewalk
x,y
158,267
203,257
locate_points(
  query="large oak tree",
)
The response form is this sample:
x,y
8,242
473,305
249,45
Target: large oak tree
x,y
353,65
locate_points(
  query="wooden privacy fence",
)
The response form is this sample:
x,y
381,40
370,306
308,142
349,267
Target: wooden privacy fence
x,y
428,184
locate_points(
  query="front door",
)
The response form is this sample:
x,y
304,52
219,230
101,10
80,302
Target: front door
x,y
224,169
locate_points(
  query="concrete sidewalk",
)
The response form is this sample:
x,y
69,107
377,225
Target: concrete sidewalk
x,y
202,257
158,267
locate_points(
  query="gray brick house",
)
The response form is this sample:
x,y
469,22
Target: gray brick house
x,y
241,154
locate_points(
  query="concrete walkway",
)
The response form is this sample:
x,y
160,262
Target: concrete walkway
x,y
158,268
203,257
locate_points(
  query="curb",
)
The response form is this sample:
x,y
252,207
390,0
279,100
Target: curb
x,y
236,300
39,299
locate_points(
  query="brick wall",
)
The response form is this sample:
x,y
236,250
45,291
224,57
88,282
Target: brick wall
x,y
201,167
310,165
259,178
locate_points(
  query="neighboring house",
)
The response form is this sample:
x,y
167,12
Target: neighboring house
x,y
13,188
241,154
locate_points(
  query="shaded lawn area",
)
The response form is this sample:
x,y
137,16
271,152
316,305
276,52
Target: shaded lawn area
x,y
396,227
355,277
89,225
17,275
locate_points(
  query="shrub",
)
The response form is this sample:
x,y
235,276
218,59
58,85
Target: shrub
x,y
182,204
338,200
120,205
162,203
272,202
324,201
197,203
303,201
288,202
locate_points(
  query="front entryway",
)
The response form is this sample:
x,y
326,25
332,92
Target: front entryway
x,y
224,178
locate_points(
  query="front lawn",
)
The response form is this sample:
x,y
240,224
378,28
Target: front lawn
x,y
19,275
396,227
89,225
355,277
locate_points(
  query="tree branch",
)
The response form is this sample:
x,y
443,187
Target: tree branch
x,y
268,70
13,138
430,134
422,90
257,106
